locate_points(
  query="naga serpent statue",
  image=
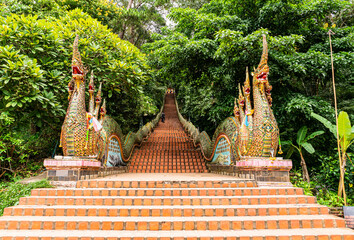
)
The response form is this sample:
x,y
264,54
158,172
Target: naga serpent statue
x,y
83,135
252,131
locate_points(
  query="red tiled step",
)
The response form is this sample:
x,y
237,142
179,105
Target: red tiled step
x,y
168,200
168,171
170,223
167,192
269,234
168,149
160,210
166,184
185,210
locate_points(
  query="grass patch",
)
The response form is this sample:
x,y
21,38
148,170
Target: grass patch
x,y
11,192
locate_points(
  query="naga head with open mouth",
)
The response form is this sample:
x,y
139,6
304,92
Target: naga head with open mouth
x,y
98,98
241,98
78,69
236,110
91,85
247,85
262,71
103,110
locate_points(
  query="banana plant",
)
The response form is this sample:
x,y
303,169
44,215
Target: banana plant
x,y
302,142
346,138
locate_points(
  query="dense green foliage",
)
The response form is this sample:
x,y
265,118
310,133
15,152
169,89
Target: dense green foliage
x,y
35,60
108,13
132,20
10,193
205,54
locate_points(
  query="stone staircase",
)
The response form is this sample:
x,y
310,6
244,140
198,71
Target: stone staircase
x,y
149,206
219,209
168,149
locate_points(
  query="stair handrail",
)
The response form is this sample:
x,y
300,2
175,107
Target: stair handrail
x,y
201,139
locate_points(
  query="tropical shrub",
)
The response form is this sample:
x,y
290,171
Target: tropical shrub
x,y
345,138
302,142
325,195
10,193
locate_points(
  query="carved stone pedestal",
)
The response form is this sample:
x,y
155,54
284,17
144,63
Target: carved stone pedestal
x,y
266,171
78,168
71,168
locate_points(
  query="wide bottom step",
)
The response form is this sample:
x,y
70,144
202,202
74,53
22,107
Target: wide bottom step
x,y
294,234
167,171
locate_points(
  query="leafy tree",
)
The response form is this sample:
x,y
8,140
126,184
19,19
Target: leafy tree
x,y
302,142
35,59
204,56
132,20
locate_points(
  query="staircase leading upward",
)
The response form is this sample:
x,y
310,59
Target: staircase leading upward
x,y
168,149
136,209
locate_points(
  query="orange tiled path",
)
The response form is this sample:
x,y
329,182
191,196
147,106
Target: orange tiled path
x,y
168,149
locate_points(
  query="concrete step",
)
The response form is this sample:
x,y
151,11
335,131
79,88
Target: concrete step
x,y
169,223
184,211
167,171
166,184
166,192
270,234
167,200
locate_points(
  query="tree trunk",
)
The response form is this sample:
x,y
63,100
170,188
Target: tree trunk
x,y
305,173
122,33
131,40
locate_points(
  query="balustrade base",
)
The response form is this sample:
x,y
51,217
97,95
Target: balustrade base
x,y
264,170
77,168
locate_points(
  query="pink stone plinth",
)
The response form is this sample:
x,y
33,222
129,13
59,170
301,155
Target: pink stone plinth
x,y
261,162
71,163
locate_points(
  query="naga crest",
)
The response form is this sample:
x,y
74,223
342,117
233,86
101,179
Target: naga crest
x,y
74,126
236,110
241,99
262,71
247,86
78,69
